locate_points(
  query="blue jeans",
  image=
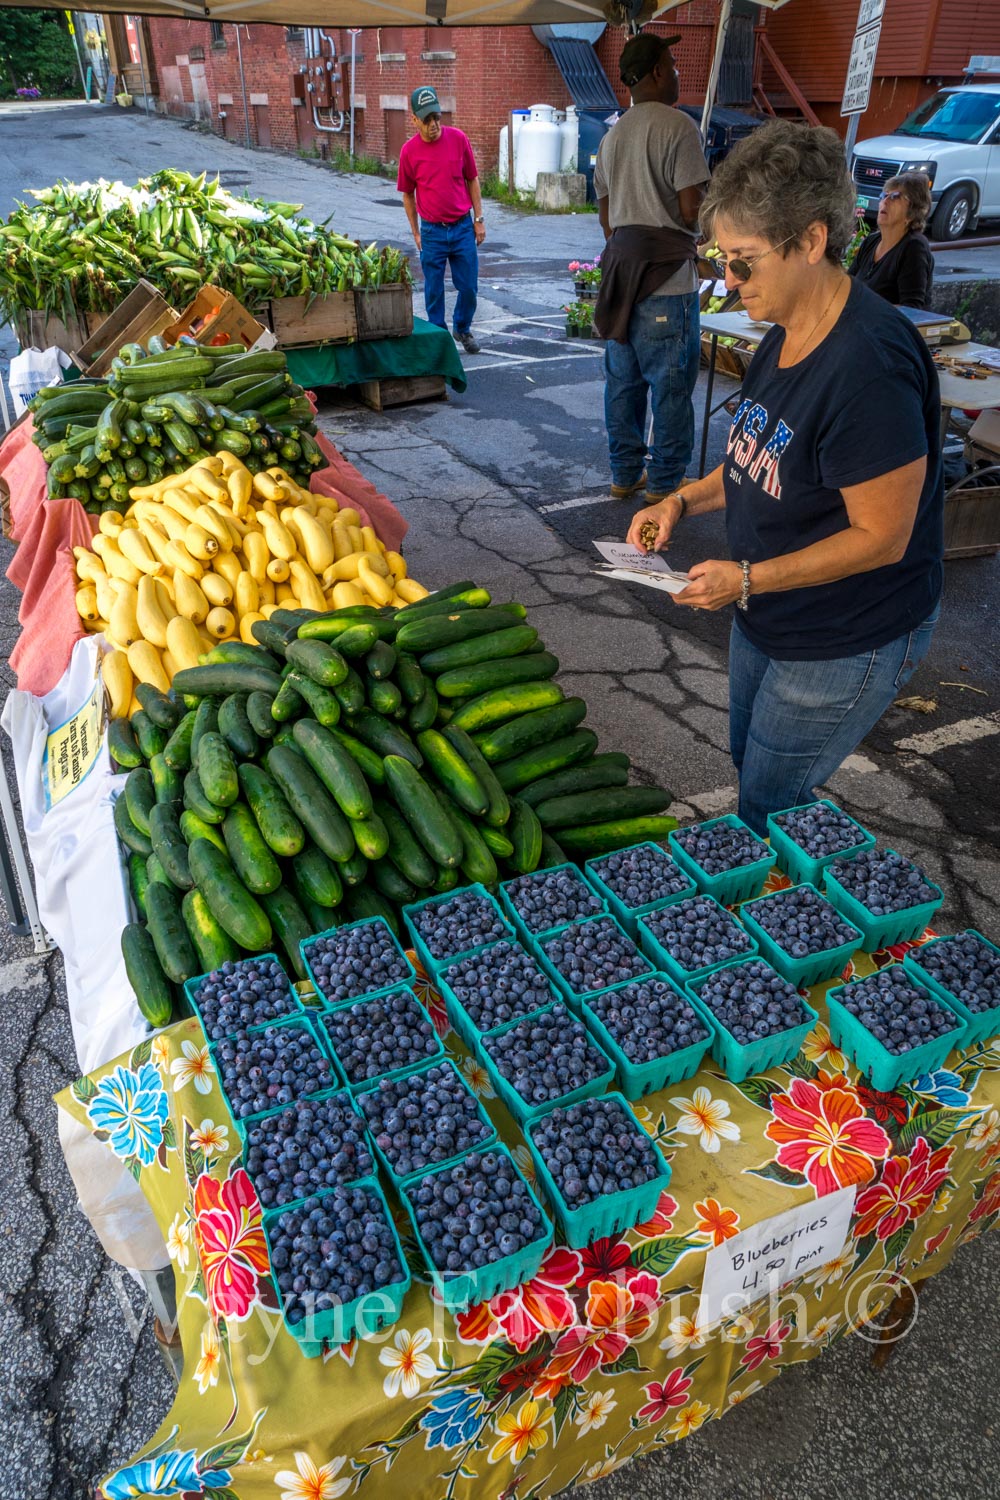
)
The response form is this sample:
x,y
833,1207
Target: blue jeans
x,y
659,363
792,723
454,245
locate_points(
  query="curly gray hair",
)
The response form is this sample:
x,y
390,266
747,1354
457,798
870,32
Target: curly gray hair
x,y
779,180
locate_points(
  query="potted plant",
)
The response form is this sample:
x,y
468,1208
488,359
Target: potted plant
x,y
586,277
579,319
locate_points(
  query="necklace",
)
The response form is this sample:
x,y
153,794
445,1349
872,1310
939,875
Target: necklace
x,y
805,343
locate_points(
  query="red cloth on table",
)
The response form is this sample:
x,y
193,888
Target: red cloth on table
x,y
345,483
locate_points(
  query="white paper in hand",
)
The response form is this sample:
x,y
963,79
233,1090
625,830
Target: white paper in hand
x,y
637,567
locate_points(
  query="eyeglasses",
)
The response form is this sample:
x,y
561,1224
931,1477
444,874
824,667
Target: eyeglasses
x,y
889,197
741,270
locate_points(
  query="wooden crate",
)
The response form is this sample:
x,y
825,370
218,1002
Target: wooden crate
x,y
384,312
378,394
298,322
37,331
143,313
972,519
216,317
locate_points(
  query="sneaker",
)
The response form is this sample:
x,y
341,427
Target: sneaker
x,y
467,341
626,491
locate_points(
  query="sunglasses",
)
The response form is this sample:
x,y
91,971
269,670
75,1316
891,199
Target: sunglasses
x,y
741,270
889,197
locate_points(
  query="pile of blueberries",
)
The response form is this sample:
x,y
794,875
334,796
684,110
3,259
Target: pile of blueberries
x,y
642,875
547,1056
698,933
819,830
648,1019
752,1001
475,1213
883,881
423,1119
498,985
247,992
898,1013
802,922
595,1147
261,1069
593,954
968,968
307,1148
356,961
379,1035
332,1250
718,847
459,923
549,898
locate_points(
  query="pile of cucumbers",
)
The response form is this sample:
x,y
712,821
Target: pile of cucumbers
x,y
160,410
347,765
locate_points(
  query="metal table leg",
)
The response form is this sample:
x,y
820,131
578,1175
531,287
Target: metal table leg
x,y
708,406
24,920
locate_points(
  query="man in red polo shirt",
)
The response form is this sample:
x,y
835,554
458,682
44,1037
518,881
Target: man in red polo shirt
x,y
440,187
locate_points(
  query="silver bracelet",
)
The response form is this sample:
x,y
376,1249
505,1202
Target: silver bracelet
x,y
676,495
743,602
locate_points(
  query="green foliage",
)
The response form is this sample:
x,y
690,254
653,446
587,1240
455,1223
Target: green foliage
x,y
369,166
36,51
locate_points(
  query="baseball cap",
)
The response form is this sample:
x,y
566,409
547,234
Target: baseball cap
x,y
641,54
424,101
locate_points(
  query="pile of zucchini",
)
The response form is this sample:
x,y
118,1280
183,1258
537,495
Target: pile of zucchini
x,y
159,411
350,763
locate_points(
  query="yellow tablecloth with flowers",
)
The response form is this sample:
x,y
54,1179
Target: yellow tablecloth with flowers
x,y
601,1356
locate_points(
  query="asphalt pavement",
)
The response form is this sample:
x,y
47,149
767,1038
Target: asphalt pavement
x,y
507,483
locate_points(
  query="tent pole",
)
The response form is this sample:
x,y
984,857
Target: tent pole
x,y
725,11
137,23
354,40
243,86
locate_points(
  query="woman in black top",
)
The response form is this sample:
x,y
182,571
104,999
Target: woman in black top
x,y
896,262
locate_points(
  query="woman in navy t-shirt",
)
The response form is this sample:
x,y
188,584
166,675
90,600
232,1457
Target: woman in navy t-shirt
x,y
832,482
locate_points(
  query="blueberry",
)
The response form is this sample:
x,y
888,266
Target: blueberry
x,y
454,924
380,1035
898,1012
549,898
510,1219
752,1001
356,961
594,954
259,1070
593,1148
641,876
697,933
648,1019
820,831
546,1056
318,1265
248,992
498,985
967,966
883,881
314,1145
720,846
423,1119
801,922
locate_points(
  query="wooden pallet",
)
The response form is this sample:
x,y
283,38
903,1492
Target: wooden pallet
x,y
378,394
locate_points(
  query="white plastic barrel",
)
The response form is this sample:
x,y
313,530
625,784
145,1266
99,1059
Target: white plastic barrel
x,y
536,147
520,115
569,140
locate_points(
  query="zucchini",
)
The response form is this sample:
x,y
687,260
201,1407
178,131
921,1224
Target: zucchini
x,y
380,661
258,706
323,663
505,703
426,713
132,837
252,859
556,755
217,770
510,641
609,769
167,783
213,946
197,802
138,879
123,745
290,924
336,768
236,729
174,948
320,702
152,740
407,854
391,884
350,693
160,708
364,903
311,803
194,827
422,811
145,974
240,653
386,739
489,676
453,772
280,828
498,808
169,846
607,804
531,730
206,721
603,838
177,750
222,678
478,864
434,631
526,835
316,877
231,904
140,797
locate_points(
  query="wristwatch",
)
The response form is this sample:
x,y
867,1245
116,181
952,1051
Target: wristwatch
x,y
479,219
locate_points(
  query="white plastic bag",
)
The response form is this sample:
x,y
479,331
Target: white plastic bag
x,y
31,371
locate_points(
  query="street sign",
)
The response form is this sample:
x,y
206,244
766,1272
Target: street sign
x,y
860,71
870,12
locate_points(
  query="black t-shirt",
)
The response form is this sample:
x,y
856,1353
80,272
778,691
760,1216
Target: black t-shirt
x,y
904,275
863,403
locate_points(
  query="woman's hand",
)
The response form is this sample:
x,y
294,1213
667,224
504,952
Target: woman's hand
x,y
713,585
664,516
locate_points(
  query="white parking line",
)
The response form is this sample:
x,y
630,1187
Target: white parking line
x,y
965,732
546,510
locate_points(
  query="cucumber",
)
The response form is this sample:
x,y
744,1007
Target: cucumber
x,y
424,714
217,770
280,828
410,678
132,837
140,797
447,880
453,772
321,918
445,602
145,975
609,769
213,946
488,676
138,879
323,663
316,877
496,842
290,924
432,632
156,872
159,707
243,654
606,805
270,636
350,693
369,761
197,802
258,706
556,755
320,701
357,639
206,721
336,768
287,703
530,731
381,660
422,606
174,948
407,854
285,736
603,838
169,846
177,750
511,641
526,835
386,739
123,745
353,870
168,784
422,811
252,859
552,853
193,827
384,697
311,803
498,809
236,729
478,864
231,904
222,678
364,903
391,884
371,836
152,740
505,703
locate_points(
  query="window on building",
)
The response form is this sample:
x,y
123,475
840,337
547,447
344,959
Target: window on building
x,y
438,39
218,33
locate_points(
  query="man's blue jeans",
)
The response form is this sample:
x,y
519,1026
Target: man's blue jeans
x,y
659,363
792,723
454,245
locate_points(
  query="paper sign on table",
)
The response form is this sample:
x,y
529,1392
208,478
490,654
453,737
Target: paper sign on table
x,y
72,748
769,1254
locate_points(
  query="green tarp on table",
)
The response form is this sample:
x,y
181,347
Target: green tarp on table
x,y
428,350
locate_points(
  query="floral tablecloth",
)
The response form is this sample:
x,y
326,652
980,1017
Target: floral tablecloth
x,y
601,1356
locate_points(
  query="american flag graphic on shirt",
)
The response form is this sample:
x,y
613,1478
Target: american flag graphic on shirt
x,y
757,456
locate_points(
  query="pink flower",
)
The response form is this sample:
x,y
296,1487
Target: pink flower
x,y
665,1394
231,1242
574,265
904,1192
766,1345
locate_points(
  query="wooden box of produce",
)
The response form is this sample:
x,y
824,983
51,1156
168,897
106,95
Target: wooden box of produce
x,y
301,321
143,313
384,312
216,317
38,330
972,516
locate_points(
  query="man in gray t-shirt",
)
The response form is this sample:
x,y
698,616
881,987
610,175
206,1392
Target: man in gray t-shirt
x,y
651,171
